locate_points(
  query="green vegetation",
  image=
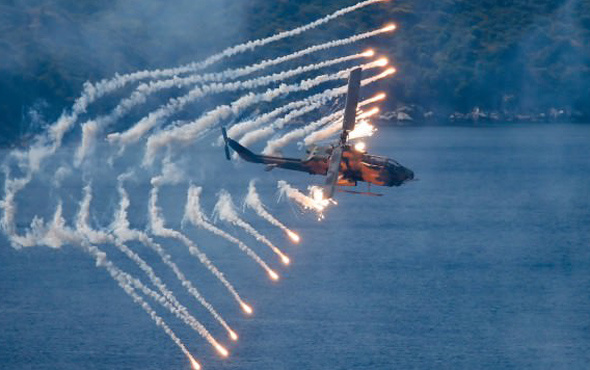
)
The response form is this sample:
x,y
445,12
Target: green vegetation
x,y
519,55
453,55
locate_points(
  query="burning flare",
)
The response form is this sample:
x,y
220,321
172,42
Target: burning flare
x,y
273,275
360,147
376,98
371,112
225,210
222,350
194,363
382,62
362,129
247,309
315,201
253,201
294,236
389,27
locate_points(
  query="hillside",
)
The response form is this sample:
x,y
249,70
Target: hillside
x,y
453,55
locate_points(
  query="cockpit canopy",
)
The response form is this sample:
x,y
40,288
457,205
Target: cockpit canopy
x,y
381,161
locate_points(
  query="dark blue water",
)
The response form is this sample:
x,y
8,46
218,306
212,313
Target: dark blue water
x,y
483,263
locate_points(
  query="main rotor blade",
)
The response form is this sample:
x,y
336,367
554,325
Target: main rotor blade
x,y
333,172
352,98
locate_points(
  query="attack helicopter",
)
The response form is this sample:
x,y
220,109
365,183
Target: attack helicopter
x,y
341,163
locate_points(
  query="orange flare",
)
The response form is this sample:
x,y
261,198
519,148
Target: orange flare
x,y
380,96
382,62
369,53
373,111
369,113
294,237
194,363
247,309
389,27
389,71
233,335
374,99
286,260
222,351
273,275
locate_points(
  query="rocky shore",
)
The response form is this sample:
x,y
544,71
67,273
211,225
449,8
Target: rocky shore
x,y
416,114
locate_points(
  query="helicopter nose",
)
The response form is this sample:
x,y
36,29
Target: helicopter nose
x,y
409,174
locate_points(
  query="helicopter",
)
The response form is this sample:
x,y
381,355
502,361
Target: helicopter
x,y
341,163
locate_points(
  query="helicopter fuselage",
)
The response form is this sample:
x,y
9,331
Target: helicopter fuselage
x,y
358,166
355,165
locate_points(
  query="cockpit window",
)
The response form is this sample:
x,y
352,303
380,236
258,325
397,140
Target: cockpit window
x,y
391,161
380,161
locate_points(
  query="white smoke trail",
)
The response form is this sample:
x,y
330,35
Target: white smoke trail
x,y
13,186
261,42
336,125
125,282
9,206
57,234
167,299
188,133
195,215
121,227
278,124
176,104
47,145
304,106
239,72
253,201
316,203
362,129
273,145
125,234
226,211
242,127
324,133
91,128
157,225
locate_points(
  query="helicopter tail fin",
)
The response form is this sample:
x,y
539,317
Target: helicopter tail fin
x,y
242,151
224,133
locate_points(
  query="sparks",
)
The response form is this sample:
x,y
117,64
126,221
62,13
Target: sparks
x,y
317,194
293,236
